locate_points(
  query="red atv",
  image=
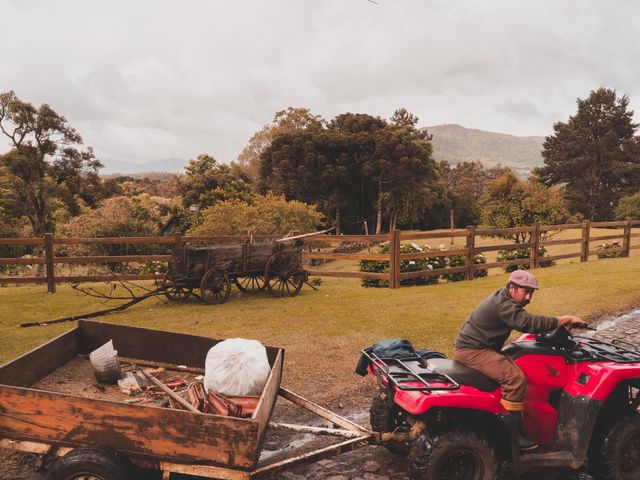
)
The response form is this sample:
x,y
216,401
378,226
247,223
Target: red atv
x,y
581,406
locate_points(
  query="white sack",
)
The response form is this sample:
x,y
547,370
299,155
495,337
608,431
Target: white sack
x,y
237,367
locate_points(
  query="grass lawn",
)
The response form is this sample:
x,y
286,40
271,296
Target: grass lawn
x,y
323,331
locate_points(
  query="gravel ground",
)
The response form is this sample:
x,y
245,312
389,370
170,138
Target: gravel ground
x,y
369,463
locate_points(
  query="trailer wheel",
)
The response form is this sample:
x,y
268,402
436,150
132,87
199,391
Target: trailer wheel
x,y
619,457
91,464
452,456
385,417
215,286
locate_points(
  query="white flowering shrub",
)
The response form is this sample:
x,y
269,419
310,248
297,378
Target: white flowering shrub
x,y
417,265
459,261
604,250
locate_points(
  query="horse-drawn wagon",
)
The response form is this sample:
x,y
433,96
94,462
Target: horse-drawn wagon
x,y
276,266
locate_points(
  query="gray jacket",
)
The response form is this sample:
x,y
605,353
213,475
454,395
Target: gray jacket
x,y
491,323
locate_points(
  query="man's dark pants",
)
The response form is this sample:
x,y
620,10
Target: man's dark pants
x,y
500,369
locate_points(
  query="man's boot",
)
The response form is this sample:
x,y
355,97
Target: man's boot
x,y
524,443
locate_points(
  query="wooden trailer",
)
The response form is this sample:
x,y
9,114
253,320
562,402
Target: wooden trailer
x,y
55,424
276,266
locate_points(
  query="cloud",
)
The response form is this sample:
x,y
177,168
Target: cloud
x,y
153,80
519,108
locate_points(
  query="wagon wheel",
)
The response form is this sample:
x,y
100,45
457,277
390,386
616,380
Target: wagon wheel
x,y
284,275
174,291
251,283
215,286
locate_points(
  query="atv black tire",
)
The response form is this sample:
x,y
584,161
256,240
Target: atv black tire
x,y
386,416
619,458
452,456
91,464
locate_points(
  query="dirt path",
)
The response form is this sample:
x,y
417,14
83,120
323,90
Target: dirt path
x,y
377,463
369,463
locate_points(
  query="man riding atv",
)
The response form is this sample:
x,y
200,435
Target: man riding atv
x,y
483,334
581,401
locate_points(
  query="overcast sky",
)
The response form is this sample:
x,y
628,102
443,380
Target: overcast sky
x,y
158,81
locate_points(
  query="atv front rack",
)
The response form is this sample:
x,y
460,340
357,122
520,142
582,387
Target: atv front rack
x,y
618,351
404,371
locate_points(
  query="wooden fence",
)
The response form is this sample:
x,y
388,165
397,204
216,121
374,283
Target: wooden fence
x,y
394,258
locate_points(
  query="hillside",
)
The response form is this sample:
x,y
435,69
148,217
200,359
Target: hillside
x,y
451,142
456,144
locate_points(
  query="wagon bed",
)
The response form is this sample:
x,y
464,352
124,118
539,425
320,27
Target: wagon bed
x,y
54,423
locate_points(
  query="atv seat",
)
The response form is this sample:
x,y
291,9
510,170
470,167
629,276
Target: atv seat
x,y
462,374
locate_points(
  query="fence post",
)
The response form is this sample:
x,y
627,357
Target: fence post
x,y
626,242
48,255
535,244
471,254
179,241
586,226
394,259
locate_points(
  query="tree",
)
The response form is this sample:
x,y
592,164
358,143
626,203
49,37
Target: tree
x,y
122,216
45,163
404,169
351,143
323,167
357,167
403,118
595,155
205,180
508,202
285,121
465,183
268,215
326,167
628,207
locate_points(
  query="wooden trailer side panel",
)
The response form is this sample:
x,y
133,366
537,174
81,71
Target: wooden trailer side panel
x,y
268,398
144,343
159,433
38,363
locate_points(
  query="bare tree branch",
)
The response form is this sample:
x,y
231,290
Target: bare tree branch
x,y
99,313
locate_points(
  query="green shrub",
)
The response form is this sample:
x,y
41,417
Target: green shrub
x,y
13,251
628,207
506,255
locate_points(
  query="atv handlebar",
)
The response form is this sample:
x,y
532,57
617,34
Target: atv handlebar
x,y
560,337
585,326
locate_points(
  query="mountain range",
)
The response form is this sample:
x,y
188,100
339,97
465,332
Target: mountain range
x,y
451,142
457,144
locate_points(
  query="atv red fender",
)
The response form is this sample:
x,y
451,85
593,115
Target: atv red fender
x,y
465,397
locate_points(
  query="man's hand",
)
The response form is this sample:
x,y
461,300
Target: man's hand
x,y
569,321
